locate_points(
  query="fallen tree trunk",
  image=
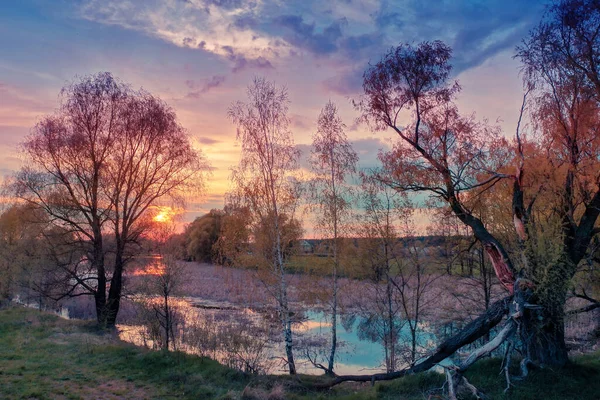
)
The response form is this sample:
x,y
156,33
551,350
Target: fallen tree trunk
x,y
471,332
489,347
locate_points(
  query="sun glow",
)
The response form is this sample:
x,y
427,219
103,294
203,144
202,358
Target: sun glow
x,y
164,214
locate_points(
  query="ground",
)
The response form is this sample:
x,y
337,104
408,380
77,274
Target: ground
x,y
45,357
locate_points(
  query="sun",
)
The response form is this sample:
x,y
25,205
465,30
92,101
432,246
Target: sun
x,y
161,217
163,214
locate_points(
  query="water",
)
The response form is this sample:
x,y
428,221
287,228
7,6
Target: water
x,y
235,336
353,356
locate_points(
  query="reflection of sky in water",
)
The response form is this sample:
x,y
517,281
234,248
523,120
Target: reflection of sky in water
x,y
355,355
352,351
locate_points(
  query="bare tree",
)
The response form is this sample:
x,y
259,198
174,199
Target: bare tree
x,y
265,186
162,282
68,152
399,279
161,317
95,167
380,232
151,159
332,162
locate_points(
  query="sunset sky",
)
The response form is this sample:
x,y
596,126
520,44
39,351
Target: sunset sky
x,y
199,56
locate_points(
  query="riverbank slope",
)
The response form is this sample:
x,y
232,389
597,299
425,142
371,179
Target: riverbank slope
x,y
45,357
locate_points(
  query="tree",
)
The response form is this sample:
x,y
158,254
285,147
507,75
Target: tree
x,y
166,277
96,167
561,58
152,159
264,184
385,210
202,235
398,277
233,245
21,250
453,157
456,159
332,160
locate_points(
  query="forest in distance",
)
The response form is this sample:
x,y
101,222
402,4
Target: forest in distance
x,y
508,265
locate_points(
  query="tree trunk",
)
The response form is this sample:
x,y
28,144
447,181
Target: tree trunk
x,y
391,337
543,334
543,330
333,326
334,299
287,329
471,332
167,320
100,293
113,302
100,302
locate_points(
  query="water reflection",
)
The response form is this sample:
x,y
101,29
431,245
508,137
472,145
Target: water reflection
x,y
250,339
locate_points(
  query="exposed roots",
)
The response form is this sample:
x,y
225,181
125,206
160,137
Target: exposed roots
x,y
506,365
456,381
454,375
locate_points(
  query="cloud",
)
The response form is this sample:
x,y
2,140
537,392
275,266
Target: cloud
x,y
245,22
226,4
345,82
368,150
475,30
221,27
240,62
208,141
198,88
304,35
345,35
303,123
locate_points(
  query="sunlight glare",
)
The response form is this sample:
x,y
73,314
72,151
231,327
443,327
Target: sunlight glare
x,y
163,215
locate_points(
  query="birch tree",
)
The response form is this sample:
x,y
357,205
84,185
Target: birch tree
x,y
382,313
332,161
264,183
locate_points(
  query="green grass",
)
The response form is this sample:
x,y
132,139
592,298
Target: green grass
x,y
45,357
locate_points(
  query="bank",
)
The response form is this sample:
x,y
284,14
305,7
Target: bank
x,y
45,357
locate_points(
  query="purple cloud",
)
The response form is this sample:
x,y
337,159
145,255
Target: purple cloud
x,y
345,83
205,86
208,141
304,35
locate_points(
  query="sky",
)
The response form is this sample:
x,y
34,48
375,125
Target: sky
x,y
200,55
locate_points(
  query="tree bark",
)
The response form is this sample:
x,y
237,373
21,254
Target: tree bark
x,y
113,302
543,336
100,293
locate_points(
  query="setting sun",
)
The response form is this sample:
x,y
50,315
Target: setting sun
x,y
163,214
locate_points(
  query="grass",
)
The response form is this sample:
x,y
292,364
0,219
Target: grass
x,y
45,357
